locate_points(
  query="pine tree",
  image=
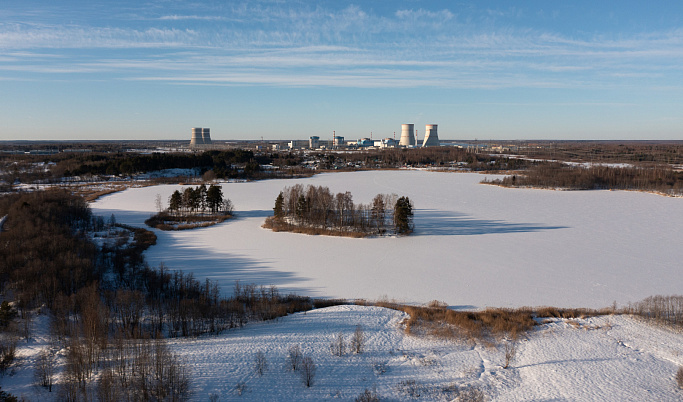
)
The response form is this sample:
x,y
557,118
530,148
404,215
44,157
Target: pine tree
x,y
278,210
403,216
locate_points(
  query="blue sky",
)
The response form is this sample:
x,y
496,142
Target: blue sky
x,y
292,69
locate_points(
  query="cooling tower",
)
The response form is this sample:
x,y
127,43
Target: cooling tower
x,y
431,137
206,136
407,135
197,138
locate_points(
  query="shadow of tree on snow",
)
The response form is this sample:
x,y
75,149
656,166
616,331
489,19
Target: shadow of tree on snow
x,y
430,222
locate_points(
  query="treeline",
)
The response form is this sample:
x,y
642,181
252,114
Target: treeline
x,y
557,175
442,157
107,306
232,163
315,210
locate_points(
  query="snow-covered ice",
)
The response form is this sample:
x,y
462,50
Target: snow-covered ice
x,y
474,245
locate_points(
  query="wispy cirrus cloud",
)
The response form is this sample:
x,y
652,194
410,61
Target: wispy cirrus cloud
x,y
266,43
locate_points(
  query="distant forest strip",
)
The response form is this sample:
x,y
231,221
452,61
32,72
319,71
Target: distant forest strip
x,y
315,210
561,176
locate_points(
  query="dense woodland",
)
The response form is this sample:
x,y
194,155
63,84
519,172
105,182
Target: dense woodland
x,y
315,210
557,175
107,306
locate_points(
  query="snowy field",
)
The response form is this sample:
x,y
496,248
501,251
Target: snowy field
x,y
609,358
474,246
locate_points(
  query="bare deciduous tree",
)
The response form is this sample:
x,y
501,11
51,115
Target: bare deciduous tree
x,y
338,345
510,349
295,357
358,340
307,371
45,369
260,363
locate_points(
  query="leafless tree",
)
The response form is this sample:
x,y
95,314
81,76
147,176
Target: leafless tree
x,y
307,371
45,369
358,340
295,357
510,349
260,363
338,345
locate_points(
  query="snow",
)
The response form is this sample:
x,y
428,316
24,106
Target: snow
x,y
608,358
474,245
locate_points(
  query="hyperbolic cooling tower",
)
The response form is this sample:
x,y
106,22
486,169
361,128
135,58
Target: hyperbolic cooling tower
x,y
431,137
197,137
206,136
407,135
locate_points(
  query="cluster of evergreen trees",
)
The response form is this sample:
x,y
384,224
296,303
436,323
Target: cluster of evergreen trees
x,y
316,208
199,199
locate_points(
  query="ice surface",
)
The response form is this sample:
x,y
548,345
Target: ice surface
x,y
475,245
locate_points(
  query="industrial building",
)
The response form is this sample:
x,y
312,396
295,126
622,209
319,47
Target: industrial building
x,y
431,136
201,136
407,135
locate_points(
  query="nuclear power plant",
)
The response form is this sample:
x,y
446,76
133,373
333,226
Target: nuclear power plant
x,y
407,135
200,136
431,137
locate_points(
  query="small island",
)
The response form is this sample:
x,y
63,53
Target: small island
x,y
192,208
315,210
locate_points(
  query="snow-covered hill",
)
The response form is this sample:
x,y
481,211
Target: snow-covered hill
x,y
609,358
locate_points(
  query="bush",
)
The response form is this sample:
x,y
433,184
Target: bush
x,y
410,388
679,377
358,340
368,396
260,363
338,346
510,353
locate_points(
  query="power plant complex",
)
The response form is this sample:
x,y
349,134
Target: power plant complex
x,y
201,138
408,136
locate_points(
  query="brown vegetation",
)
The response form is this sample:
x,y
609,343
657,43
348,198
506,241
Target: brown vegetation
x,y
664,309
498,323
663,180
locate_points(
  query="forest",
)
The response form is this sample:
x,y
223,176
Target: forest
x,y
562,176
315,210
107,307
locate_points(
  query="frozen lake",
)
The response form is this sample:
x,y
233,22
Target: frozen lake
x,y
474,245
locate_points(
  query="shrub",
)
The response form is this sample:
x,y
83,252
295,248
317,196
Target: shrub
x,y
679,377
260,363
358,340
368,396
510,353
470,394
410,388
